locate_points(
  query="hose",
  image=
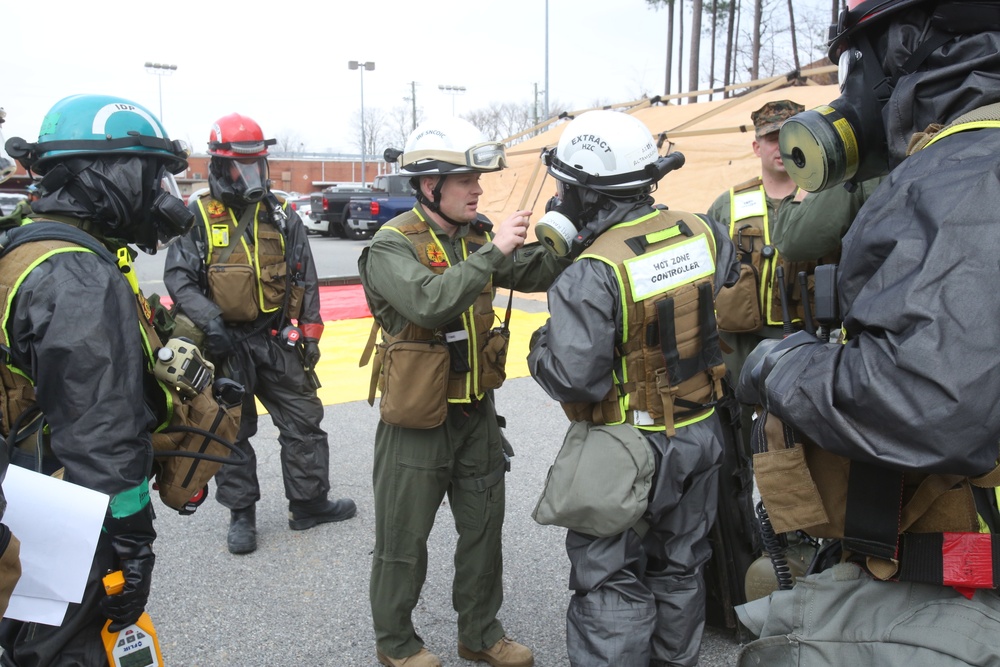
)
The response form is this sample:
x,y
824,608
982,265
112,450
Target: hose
x,y
775,546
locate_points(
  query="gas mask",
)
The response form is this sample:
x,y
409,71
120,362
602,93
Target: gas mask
x,y
168,214
238,183
560,229
845,140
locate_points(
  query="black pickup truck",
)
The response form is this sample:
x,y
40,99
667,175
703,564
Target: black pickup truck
x,y
391,195
331,207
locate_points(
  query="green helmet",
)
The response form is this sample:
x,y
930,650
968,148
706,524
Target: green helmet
x,y
98,125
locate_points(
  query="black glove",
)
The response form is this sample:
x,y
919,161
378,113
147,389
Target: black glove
x,y
310,353
132,539
760,362
537,334
217,338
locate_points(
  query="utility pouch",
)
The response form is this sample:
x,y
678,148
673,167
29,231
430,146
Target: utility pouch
x,y
10,565
600,480
783,477
738,307
273,281
494,370
184,327
178,476
232,288
414,383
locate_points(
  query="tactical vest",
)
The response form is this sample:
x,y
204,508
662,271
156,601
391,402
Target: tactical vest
x,y
477,349
253,278
668,369
908,526
178,478
758,290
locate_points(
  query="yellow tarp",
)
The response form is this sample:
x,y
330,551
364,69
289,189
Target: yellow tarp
x,y
344,340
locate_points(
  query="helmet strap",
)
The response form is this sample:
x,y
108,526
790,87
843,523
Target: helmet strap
x,y
435,204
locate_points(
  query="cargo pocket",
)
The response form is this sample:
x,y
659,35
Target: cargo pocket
x,y
231,287
737,308
414,383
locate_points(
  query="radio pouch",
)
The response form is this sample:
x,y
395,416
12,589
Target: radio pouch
x,y
179,476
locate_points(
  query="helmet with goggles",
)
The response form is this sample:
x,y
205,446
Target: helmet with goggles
x,y
98,125
237,136
450,146
607,151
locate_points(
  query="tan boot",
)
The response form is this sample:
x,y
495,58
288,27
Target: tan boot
x,y
422,658
505,653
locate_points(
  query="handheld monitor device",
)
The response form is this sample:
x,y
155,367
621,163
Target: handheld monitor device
x,y
136,645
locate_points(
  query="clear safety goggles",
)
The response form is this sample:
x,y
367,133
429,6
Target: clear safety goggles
x,y
487,156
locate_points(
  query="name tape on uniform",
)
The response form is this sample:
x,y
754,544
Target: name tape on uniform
x,y
749,205
673,266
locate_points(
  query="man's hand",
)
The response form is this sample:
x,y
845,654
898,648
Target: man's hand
x,y
761,361
218,342
310,353
512,232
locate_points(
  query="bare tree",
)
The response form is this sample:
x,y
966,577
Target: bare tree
x,y
288,141
795,45
669,4
696,10
374,134
399,124
758,10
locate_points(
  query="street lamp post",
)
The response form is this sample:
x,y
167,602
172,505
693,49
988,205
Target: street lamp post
x,y
361,67
160,70
453,90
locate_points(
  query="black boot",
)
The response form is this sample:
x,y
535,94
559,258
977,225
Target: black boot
x,y
302,515
242,537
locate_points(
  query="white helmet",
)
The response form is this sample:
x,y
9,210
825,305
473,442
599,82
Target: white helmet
x,y
450,146
606,151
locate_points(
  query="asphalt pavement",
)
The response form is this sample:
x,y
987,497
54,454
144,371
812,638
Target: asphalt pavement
x,y
302,598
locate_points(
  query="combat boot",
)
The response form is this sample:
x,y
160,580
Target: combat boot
x,y
422,658
242,538
505,653
302,515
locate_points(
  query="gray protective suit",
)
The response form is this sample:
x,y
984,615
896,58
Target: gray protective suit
x,y
916,385
637,600
267,368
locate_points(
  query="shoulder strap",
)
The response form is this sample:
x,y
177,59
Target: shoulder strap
x,y
52,231
248,214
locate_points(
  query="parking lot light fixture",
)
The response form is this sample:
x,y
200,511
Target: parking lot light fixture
x,y
361,67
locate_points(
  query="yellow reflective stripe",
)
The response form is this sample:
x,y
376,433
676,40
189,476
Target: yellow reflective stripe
x,y
686,422
954,129
17,285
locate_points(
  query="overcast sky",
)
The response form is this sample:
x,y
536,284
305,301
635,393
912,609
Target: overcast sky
x,y
287,67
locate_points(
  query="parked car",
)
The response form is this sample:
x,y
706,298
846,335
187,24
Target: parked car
x,y
301,205
331,208
391,195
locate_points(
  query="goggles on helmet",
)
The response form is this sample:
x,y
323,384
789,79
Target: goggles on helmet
x,y
487,156
241,147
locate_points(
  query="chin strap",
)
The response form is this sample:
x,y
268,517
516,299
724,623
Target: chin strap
x,y
434,205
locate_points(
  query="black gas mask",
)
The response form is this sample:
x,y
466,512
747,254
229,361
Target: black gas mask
x,y
844,141
565,217
238,183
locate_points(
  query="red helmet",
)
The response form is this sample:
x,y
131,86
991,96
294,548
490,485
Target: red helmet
x,y
861,14
237,136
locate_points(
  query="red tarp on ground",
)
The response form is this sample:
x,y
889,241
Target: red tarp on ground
x,y
336,302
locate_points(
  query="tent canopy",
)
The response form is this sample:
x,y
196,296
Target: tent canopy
x,y
715,137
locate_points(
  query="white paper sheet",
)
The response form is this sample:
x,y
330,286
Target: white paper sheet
x,y
58,524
